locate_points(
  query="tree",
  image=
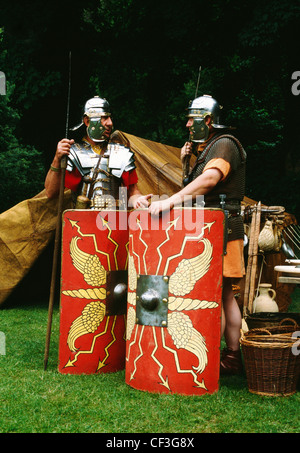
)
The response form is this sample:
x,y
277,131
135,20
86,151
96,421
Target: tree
x,y
21,166
144,58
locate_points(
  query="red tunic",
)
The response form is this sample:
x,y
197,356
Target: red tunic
x,y
73,179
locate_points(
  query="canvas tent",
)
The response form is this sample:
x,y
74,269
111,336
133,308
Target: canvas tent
x,y
27,228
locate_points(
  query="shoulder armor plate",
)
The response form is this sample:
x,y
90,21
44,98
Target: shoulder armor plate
x,y
121,159
82,157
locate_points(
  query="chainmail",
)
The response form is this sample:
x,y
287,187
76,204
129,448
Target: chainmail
x,y
233,186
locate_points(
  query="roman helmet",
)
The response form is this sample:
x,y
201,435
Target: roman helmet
x,y
199,109
94,109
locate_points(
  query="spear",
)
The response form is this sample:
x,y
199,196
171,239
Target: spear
x,y
187,158
63,165
186,166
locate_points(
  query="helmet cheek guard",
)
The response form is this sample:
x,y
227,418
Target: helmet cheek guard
x,y
94,109
199,130
95,130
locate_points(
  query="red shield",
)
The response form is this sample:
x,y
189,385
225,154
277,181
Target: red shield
x,y
174,301
93,291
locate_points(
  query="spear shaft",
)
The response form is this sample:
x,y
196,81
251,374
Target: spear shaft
x,y
187,158
63,166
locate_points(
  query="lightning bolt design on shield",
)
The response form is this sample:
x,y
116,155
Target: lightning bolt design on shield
x,y
74,223
139,356
91,350
173,223
102,362
93,315
179,325
133,342
143,242
179,370
187,238
163,382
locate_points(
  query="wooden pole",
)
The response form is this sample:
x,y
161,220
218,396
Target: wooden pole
x,y
185,167
63,166
254,263
250,260
55,260
186,164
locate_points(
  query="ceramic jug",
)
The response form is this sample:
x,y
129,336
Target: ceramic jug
x,y
264,302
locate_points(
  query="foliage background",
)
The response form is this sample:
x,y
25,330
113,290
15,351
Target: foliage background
x,y
143,56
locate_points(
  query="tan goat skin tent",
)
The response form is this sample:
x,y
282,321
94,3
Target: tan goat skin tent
x,y
25,230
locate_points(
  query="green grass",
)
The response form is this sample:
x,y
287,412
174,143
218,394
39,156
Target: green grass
x,y
36,401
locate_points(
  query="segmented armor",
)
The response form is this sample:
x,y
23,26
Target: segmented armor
x,y
102,174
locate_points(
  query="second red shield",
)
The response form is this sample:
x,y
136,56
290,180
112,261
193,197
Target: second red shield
x,y
174,301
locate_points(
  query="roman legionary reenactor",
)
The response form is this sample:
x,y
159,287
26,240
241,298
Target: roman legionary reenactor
x,y
181,276
101,174
219,176
97,166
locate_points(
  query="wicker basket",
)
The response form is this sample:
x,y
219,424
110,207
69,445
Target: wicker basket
x,y
267,319
272,334
271,367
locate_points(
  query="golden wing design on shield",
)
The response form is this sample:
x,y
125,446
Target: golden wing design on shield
x,y
180,326
91,317
185,336
189,271
89,293
89,265
179,303
94,274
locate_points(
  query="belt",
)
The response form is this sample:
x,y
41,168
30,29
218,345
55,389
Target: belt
x,y
234,210
104,202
